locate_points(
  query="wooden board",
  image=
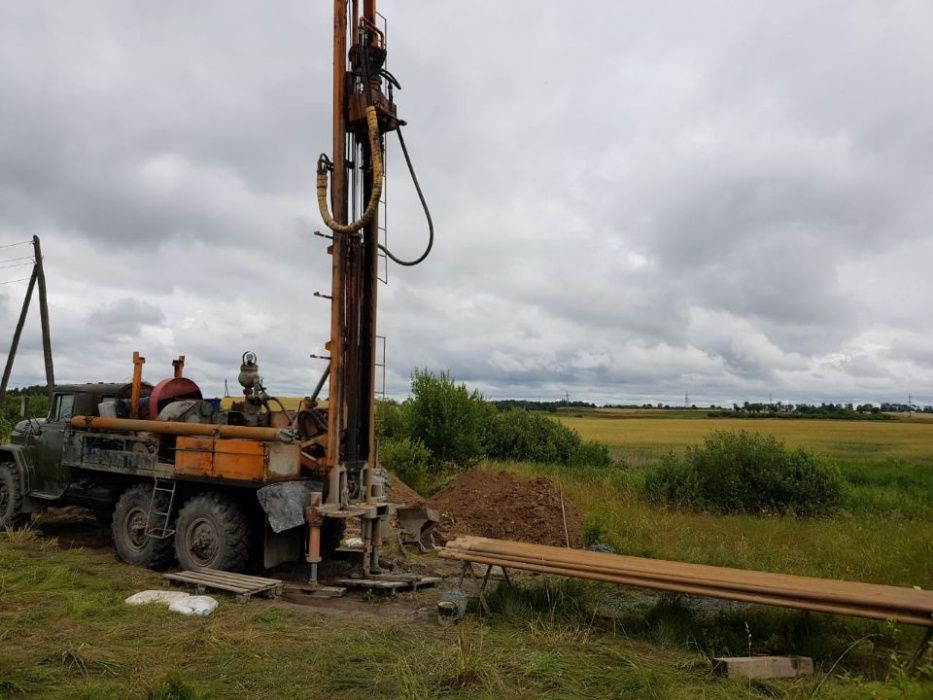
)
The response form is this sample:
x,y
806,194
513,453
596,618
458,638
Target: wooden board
x,y
764,666
242,585
390,583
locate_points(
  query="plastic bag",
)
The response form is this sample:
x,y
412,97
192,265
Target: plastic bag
x,y
200,605
162,596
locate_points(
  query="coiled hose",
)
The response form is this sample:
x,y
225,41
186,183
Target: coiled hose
x,y
324,164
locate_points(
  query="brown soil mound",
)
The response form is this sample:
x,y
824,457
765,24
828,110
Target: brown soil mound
x,y
400,492
506,506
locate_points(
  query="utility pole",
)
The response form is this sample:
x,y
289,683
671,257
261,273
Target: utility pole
x,y
44,317
38,276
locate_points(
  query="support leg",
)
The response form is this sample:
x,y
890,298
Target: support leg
x,y
921,650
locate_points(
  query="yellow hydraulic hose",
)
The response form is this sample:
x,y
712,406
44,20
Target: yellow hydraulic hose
x,y
372,122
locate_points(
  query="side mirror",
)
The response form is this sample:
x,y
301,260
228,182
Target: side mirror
x,y
35,427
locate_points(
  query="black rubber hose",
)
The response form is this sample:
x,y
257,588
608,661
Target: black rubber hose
x,y
424,205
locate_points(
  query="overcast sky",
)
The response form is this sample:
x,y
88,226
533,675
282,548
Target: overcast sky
x,y
632,200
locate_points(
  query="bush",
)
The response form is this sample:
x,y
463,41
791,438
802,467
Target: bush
x,y
449,420
523,436
590,454
742,472
410,461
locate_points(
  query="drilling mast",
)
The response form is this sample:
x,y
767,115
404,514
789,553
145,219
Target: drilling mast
x,y
362,114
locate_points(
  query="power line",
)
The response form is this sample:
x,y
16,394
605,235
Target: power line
x,y
10,245
21,279
22,264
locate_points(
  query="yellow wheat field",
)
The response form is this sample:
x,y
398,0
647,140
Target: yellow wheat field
x,y
848,439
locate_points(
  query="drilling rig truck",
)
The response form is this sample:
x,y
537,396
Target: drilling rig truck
x,y
183,479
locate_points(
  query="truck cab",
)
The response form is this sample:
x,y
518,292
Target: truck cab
x,y
39,442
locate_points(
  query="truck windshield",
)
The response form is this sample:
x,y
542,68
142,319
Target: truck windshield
x,y
64,407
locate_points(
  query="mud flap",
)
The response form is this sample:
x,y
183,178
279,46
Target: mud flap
x,y
284,503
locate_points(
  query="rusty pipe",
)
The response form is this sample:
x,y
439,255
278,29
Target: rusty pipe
x,y
869,600
178,428
738,579
876,612
653,580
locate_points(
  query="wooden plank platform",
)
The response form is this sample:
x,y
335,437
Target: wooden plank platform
x,y
764,666
299,593
241,585
390,583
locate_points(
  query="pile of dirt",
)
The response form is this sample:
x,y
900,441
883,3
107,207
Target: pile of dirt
x,y
400,492
506,506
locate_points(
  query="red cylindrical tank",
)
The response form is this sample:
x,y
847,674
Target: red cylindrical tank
x,y
171,389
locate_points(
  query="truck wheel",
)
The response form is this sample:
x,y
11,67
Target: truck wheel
x,y
11,497
211,533
130,540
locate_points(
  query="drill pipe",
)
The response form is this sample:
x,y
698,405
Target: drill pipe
x,y
847,592
877,613
846,598
177,428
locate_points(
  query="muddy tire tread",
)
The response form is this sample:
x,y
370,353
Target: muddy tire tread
x,y
10,474
230,520
161,552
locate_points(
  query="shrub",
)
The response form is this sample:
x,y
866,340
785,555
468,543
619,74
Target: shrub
x,y
742,472
409,460
449,420
524,436
590,453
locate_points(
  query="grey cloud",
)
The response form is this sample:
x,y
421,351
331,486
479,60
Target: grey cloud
x,y
124,317
630,201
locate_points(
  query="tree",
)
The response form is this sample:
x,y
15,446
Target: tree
x,y
447,418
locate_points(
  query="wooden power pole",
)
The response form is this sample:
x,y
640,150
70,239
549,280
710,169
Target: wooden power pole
x,y
38,275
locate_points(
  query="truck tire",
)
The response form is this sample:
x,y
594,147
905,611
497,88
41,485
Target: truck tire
x,y
211,533
11,497
130,540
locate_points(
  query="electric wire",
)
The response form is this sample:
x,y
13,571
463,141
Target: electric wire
x,y
21,279
424,205
10,245
19,264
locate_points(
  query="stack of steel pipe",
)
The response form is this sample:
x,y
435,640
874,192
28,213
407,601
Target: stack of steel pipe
x,y
905,605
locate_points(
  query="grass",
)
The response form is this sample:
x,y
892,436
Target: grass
x,y
65,633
